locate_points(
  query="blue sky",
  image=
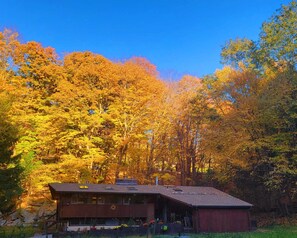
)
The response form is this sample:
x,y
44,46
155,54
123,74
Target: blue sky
x,y
178,36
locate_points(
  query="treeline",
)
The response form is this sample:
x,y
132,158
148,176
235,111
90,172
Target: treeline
x,y
85,118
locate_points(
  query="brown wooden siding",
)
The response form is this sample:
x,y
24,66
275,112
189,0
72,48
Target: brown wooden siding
x,y
106,211
221,220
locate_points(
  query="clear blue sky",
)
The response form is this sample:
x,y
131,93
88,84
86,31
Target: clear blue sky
x,y
178,36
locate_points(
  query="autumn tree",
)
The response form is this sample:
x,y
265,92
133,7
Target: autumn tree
x,y
132,110
84,118
255,133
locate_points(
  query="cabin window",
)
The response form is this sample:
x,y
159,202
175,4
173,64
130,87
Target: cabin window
x,y
74,221
94,200
80,199
75,200
126,200
138,199
101,200
87,221
66,199
113,199
135,199
100,221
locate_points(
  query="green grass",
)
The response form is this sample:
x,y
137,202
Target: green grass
x,y
16,231
268,232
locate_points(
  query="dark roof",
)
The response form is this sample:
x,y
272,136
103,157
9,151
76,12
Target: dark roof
x,y
190,195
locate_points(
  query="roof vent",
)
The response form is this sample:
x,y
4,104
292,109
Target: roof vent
x,y
108,188
177,190
169,186
83,187
132,188
126,181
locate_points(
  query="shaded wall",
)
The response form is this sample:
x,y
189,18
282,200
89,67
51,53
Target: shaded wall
x,y
221,220
107,211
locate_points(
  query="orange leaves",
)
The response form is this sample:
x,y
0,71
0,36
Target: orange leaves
x,y
146,65
90,76
8,42
32,56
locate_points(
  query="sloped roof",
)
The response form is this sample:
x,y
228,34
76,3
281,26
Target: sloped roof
x,y
203,197
189,195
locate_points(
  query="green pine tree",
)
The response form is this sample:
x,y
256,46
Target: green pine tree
x,y
10,170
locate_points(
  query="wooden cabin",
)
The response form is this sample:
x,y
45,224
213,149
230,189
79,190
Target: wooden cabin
x,y
202,209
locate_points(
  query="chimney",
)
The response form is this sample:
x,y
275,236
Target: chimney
x,y
157,181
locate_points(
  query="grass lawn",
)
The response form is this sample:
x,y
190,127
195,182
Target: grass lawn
x,y
16,231
268,232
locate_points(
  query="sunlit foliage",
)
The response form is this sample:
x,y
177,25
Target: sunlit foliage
x,y
84,118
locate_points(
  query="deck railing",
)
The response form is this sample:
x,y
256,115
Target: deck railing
x,y
106,211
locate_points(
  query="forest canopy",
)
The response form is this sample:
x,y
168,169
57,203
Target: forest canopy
x,y
84,118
